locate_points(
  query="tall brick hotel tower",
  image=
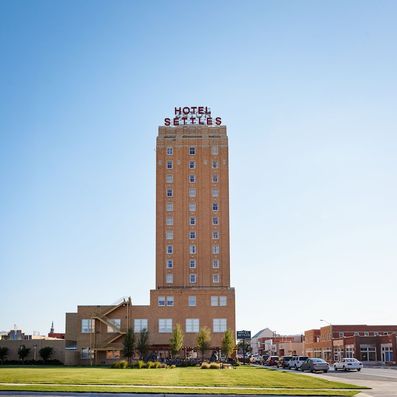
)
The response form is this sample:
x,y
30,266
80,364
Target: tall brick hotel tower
x,y
192,248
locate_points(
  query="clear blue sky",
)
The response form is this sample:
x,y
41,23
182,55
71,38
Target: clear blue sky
x,y
308,92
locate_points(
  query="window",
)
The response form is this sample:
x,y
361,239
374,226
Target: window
x,y
192,192
169,207
223,301
192,249
376,333
85,353
169,164
169,221
356,333
192,278
192,150
387,353
169,278
192,263
215,220
192,178
215,192
113,355
215,178
161,301
366,333
214,150
165,325
140,324
368,353
170,249
169,192
341,334
215,263
169,234
87,325
170,264
192,220
192,325
215,235
214,301
170,151
114,325
192,235
169,178
215,207
170,301
192,165
219,324
215,249
192,206
192,300
215,278
215,164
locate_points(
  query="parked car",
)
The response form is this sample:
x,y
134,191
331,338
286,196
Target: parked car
x,y
348,364
272,361
314,364
296,362
283,362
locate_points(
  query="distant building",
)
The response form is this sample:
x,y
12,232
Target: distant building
x,y
267,341
368,343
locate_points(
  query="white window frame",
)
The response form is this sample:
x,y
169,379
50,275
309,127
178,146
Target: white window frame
x,y
192,221
215,207
214,150
169,192
140,324
216,249
170,249
192,178
192,235
169,207
170,151
192,278
216,278
165,325
170,165
215,164
223,300
192,325
192,301
192,263
170,301
169,264
169,178
215,235
169,220
169,278
192,150
215,263
161,301
192,207
215,192
215,178
215,220
169,235
214,300
192,249
192,192
192,165
219,325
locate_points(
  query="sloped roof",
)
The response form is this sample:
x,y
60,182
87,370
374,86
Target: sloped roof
x,y
263,332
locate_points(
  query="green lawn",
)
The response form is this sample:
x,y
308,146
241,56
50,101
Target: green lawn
x,y
243,380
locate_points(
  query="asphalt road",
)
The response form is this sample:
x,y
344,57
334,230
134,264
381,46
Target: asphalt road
x,y
383,382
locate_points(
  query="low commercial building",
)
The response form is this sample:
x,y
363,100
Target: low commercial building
x,y
367,343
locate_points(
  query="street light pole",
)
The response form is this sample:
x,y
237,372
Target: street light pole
x,y
332,337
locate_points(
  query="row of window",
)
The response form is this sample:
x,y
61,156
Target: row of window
x,y
192,150
192,220
192,278
192,301
164,325
169,264
192,249
364,333
169,178
192,192
191,164
192,235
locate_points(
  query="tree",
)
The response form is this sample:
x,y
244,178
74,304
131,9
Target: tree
x,y
129,344
46,352
143,343
176,341
204,340
227,343
3,353
23,352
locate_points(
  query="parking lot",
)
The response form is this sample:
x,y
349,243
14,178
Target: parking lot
x,y
382,381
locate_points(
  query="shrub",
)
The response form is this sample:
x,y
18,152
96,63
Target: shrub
x,y
157,364
140,364
205,366
215,366
172,366
150,364
120,364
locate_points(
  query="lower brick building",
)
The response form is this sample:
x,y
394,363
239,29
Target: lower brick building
x,y
367,343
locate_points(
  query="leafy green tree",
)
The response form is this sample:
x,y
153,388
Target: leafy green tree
x,y
129,345
23,352
46,353
143,343
203,340
227,346
3,353
176,341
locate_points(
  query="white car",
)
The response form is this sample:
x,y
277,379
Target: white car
x,y
347,364
296,362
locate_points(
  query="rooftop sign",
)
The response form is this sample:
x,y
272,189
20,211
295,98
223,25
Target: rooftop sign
x,y
192,115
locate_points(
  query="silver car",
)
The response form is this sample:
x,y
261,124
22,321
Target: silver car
x,y
314,365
